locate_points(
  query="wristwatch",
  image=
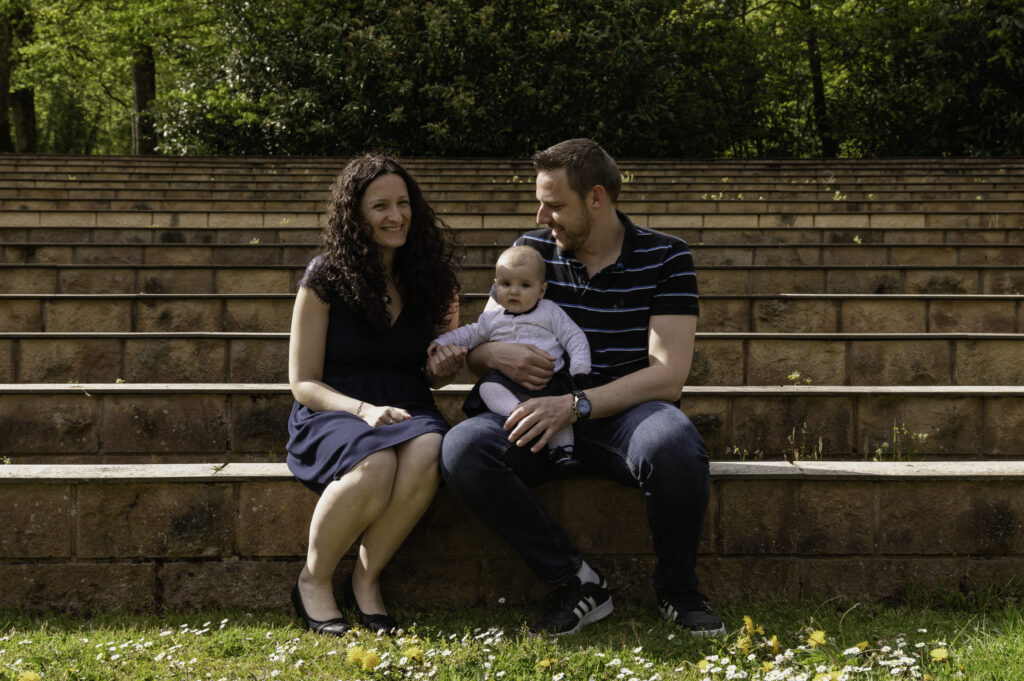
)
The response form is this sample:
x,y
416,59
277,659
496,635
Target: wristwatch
x,y
580,405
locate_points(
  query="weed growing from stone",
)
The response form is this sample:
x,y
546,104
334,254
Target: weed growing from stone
x,y
902,445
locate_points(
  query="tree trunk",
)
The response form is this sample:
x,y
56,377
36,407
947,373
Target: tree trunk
x,y
23,110
5,83
143,94
829,145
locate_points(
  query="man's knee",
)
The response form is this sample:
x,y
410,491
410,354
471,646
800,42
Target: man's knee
x,y
666,443
468,446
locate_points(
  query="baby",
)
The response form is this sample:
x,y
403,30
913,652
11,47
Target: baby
x,y
525,317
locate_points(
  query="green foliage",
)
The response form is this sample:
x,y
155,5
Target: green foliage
x,y
688,78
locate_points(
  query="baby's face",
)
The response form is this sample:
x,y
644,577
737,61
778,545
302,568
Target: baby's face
x,y
518,287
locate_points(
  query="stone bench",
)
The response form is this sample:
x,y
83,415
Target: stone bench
x,y
92,538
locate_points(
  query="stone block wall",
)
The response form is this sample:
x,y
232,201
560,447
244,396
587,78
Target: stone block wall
x,y
86,538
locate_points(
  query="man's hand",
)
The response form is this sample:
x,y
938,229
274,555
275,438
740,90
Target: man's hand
x,y
523,363
539,417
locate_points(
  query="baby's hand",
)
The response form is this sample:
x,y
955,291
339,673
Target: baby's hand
x,y
445,360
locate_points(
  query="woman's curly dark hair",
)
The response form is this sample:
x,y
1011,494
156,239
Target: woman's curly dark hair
x,y
351,269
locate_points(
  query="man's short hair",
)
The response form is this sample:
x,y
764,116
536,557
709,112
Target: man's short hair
x,y
519,256
586,165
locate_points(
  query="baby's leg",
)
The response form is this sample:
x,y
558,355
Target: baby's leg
x,y
498,398
562,438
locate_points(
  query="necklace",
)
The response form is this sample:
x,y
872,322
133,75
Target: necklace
x,y
387,299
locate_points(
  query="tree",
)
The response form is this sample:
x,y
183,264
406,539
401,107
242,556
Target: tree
x,y
97,61
6,36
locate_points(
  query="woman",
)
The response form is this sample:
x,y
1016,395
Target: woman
x,y
364,431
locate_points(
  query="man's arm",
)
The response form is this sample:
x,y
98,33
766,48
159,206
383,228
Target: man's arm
x,y
670,349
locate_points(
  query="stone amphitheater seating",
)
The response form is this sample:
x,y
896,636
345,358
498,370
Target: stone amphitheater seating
x,y
848,307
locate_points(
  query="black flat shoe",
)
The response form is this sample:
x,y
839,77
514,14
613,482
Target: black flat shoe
x,y
338,626
378,624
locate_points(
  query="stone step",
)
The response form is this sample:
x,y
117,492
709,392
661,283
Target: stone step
x,y
166,423
630,203
14,194
717,279
733,217
473,188
844,254
726,359
783,232
198,537
512,213
271,312
927,170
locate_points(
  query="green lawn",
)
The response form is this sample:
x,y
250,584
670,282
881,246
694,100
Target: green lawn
x,y
809,641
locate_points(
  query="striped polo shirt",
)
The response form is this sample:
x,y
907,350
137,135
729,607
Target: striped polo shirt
x,y
654,275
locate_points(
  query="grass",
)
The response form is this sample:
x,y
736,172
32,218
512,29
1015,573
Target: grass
x,y
809,641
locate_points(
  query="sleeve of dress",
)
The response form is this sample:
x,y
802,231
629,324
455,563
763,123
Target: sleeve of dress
x,y
573,339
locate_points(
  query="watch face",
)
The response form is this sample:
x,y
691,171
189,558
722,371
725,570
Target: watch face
x,y
582,404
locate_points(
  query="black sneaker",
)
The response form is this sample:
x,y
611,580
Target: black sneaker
x,y
690,610
572,606
562,458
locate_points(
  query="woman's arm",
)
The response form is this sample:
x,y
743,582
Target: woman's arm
x,y
444,361
307,348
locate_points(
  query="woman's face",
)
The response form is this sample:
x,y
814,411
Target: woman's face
x,y
387,212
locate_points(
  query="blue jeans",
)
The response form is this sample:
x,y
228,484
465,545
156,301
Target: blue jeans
x,y
653,446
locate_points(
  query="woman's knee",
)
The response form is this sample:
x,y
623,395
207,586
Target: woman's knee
x,y
374,476
419,457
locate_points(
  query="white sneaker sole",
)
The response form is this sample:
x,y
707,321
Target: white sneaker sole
x,y
708,633
598,613
669,616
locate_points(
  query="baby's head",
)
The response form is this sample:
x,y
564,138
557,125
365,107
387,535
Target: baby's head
x,y
519,278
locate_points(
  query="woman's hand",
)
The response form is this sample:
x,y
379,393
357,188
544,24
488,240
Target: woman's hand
x,y
381,416
443,362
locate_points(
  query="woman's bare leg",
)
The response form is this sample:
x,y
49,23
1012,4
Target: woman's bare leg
x,y
416,482
346,507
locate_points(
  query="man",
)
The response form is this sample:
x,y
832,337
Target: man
x,y
634,293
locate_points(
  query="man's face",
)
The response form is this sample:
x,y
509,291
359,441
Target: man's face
x,y
562,210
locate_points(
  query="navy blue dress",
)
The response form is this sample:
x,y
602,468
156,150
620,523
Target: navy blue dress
x,y
383,369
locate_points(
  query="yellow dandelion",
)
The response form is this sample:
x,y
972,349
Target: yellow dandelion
x,y
370,660
414,653
355,655
767,666
743,643
776,646
703,665
29,676
940,654
927,677
863,645
748,626
546,662
821,677
817,638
